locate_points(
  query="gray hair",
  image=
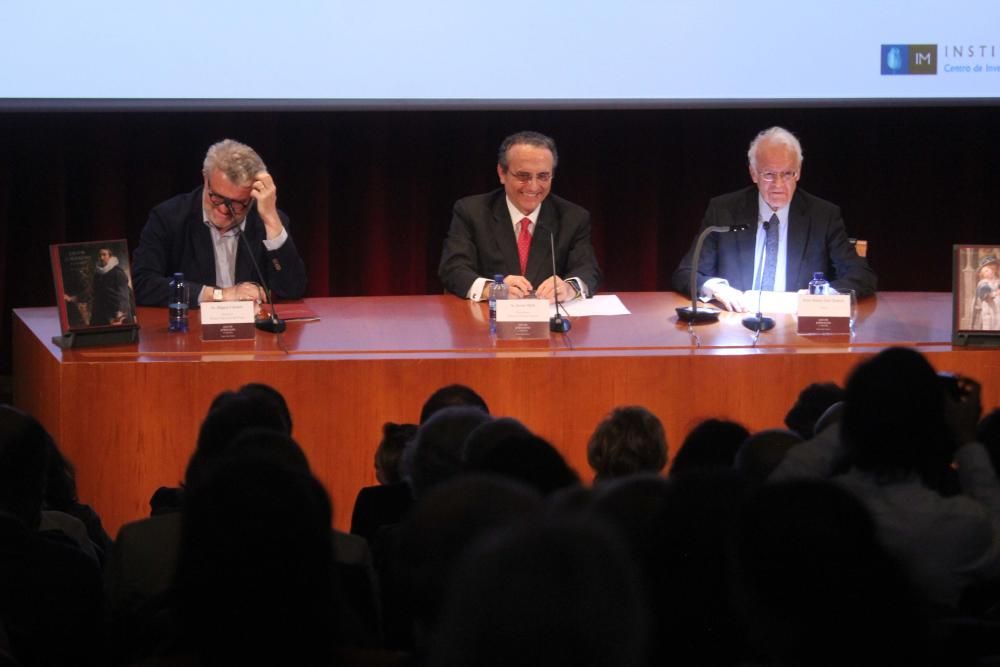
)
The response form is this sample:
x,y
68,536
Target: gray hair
x,y
237,161
775,135
530,138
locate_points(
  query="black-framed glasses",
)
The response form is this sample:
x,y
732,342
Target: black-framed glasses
x,y
237,206
526,177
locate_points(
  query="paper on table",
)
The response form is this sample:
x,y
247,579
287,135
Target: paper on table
x,y
771,302
601,304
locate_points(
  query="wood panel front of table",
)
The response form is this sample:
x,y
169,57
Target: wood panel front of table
x,y
128,416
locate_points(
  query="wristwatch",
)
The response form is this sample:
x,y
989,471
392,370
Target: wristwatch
x,y
216,294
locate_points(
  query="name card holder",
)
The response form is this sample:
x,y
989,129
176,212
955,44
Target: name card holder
x,y
821,314
227,320
522,319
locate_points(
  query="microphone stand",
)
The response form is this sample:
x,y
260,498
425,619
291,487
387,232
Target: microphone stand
x,y
557,323
758,322
693,314
273,324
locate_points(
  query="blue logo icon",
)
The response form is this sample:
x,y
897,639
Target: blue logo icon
x,y
909,59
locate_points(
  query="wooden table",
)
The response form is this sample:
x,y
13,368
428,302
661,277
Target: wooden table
x,y
128,416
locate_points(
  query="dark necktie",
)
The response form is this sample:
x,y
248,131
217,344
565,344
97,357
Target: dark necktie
x,y
524,243
770,254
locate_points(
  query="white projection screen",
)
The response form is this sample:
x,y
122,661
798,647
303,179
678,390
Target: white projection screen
x,y
118,54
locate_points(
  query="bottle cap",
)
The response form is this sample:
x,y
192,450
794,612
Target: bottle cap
x,y
818,275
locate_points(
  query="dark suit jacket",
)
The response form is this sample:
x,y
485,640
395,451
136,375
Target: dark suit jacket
x,y
817,241
176,238
481,243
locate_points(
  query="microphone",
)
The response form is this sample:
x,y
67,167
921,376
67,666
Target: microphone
x,y
693,314
273,324
557,323
758,322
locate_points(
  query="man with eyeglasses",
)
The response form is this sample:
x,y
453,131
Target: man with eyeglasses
x,y
507,231
198,234
790,234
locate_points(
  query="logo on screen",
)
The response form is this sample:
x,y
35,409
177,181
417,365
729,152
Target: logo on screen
x,y
909,59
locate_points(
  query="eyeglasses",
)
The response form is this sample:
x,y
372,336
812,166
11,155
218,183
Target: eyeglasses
x,y
525,177
772,176
236,205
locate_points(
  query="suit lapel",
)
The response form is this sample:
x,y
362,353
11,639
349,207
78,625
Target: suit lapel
x,y
201,245
503,232
798,237
746,241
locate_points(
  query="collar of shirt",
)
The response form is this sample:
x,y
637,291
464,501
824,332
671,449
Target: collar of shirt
x,y
516,216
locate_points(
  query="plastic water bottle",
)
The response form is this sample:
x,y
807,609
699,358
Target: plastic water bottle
x,y
819,284
497,291
178,306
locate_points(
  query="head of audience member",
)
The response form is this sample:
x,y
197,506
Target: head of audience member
x,y
255,581
811,403
435,453
443,523
389,454
775,158
528,459
554,592
229,171
267,393
629,440
712,444
450,396
230,414
24,452
526,165
817,586
487,435
895,420
988,433
761,453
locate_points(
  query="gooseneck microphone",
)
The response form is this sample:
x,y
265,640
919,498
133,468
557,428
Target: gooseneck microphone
x,y
557,322
693,314
758,322
273,324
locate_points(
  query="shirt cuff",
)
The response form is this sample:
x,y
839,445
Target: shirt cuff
x,y
581,288
478,290
277,241
708,287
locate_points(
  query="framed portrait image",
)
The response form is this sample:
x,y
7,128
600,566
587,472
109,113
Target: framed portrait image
x,y
94,295
976,295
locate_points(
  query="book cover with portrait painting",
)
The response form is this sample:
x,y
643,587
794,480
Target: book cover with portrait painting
x,y
93,284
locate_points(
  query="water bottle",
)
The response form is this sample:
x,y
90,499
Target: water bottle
x,y
178,306
497,291
819,284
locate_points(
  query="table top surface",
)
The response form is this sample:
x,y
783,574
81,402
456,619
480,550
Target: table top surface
x,y
443,325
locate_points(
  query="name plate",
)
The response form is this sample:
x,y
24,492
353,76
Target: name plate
x,y
824,314
522,319
227,320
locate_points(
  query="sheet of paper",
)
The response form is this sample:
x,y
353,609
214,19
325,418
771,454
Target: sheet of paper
x,y
771,302
601,304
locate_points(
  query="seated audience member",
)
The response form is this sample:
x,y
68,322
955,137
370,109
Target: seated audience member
x,y
988,433
51,604
256,587
629,440
903,434
197,234
450,396
511,231
711,445
528,459
678,531
801,233
444,521
812,402
489,434
554,592
388,501
818,587
434,455
762,452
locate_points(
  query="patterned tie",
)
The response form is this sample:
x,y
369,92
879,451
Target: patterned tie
x,y
770,254
524,243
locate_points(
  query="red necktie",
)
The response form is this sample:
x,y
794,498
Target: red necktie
x,y
524,243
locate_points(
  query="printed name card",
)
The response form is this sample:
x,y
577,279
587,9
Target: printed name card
x,y
824,314
522,319
227,320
